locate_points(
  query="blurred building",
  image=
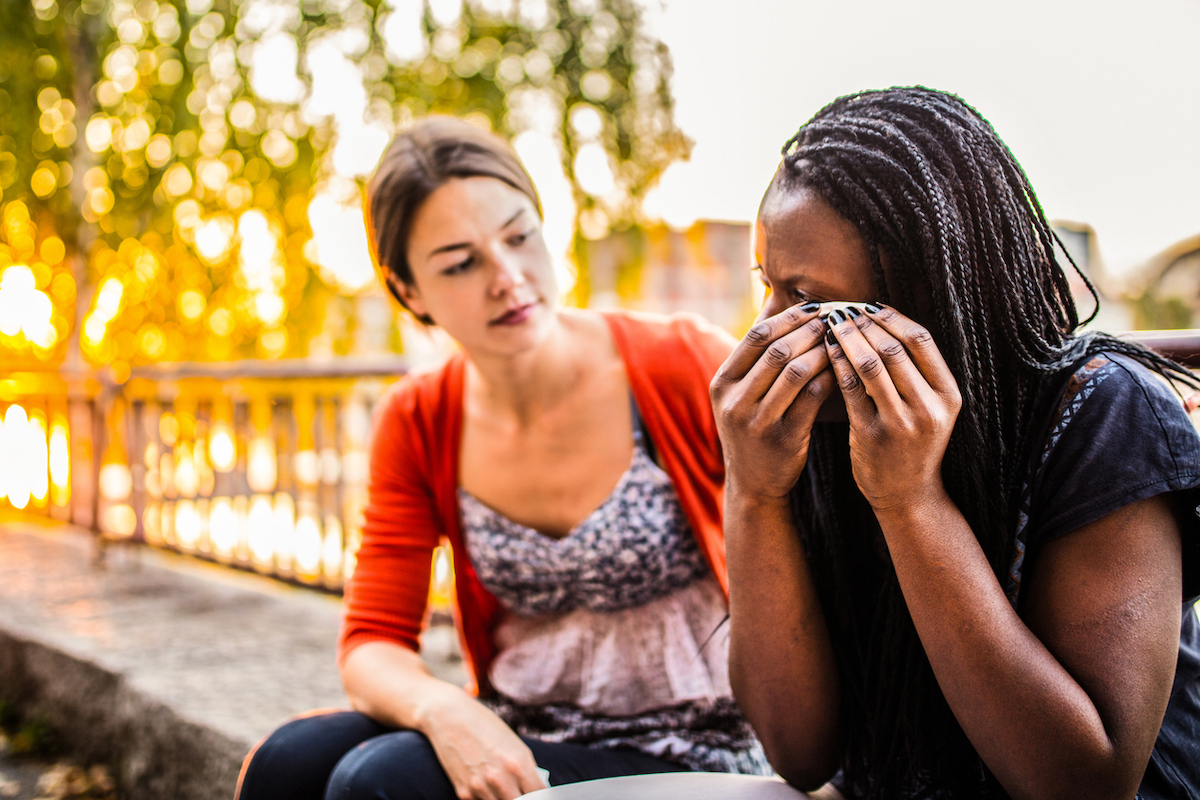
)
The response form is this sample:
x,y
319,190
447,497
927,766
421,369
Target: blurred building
x,y
704,270
1078,239
1171,294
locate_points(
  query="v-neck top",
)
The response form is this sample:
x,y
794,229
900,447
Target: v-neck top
x,y
635,547
613,634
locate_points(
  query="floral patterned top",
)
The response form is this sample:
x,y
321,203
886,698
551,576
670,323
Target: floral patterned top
x,y
613,634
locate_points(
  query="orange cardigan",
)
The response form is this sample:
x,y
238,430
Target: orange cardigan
x,y
413,499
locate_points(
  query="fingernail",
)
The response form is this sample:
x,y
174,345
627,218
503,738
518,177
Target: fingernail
x,y
830,338
873,308
836,317
810,306
852,312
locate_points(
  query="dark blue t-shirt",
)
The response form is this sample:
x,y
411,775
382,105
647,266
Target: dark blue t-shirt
x,y
1118,434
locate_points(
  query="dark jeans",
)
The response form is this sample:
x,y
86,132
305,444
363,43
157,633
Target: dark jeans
x,y
344,755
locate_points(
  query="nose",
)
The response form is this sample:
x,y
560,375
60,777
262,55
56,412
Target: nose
x,y
772,305
509,274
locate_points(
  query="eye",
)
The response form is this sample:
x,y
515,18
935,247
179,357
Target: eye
x,y
762,276
459,268
518,239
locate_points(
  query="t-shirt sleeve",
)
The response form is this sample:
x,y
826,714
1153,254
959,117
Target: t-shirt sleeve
x,y
387,595
1119,437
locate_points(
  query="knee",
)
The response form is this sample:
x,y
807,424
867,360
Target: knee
x,y
297,757
397,766
267,761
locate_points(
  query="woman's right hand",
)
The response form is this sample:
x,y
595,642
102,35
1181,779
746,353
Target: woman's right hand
x,y
483,758
765,398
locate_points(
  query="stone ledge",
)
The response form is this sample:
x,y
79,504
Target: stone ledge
x,y
164,667
98,718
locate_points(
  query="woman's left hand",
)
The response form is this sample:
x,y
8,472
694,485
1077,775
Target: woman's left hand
x,y
902,401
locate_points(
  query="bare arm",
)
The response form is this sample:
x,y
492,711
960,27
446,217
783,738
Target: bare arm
x,y
1066,703
781,662
482,756
385,603
1069,704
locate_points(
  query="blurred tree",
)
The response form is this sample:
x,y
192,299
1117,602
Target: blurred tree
x,y
39,243
192,166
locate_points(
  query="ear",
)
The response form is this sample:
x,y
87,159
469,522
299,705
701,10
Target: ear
x,y
409,295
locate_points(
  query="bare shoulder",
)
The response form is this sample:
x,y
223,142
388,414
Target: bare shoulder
x,y
589,333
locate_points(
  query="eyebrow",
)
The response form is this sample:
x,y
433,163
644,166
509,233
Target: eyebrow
x,y
460,245
813,288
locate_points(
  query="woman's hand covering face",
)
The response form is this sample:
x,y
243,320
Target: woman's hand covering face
x,y
765,397
902,401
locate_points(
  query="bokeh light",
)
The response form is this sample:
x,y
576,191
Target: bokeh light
x,y
59,457
230,145
202,200
24,457
24,309
339,241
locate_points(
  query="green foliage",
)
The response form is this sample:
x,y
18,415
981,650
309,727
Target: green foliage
x,y
30,736
33,738
176,147
1151,312
8,714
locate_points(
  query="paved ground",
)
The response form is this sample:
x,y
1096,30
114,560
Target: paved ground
x,y
19,777
170,643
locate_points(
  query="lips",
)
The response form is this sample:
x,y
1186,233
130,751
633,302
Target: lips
x,y
515,315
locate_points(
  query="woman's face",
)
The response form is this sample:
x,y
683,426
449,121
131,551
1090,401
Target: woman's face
x,y
806,251
480,267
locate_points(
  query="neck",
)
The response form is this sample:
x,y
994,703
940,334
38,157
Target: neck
x,y
527,384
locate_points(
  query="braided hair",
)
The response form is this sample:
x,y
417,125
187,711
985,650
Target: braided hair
x,y
956,239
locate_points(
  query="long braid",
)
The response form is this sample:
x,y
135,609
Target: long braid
x,y
954,230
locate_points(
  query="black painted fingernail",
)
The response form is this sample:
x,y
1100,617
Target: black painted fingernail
x,y
852,312
830,338
810,306
873,308
836,317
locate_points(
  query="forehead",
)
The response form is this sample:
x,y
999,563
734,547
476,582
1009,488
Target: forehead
x,y
468,201
800,237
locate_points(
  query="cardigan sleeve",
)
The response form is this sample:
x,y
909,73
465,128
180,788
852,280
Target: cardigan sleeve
x,y
709,343
678,369
386,597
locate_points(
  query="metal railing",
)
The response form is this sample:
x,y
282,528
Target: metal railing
x,y
260,465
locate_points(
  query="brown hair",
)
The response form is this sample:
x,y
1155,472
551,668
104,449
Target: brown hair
x,y
434,151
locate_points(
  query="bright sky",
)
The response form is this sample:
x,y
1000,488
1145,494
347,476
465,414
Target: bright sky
x,y
1099,101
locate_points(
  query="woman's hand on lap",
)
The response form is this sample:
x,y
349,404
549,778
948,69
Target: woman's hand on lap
x,y
482,756
902,401
765,398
